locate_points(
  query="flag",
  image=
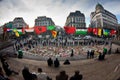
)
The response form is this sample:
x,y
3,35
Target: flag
x,y
9,29
70,30
40,29
113,32
89,30
81,31
9,25
4,30
50,27
29,30
19,31
99,31
23,30
106,32
14,30
95,31
17,34
54,33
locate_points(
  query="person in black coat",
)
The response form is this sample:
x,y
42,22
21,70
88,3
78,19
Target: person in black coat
x,y
56,63
100,56
88,54
72,53
26,74
77,76
50,62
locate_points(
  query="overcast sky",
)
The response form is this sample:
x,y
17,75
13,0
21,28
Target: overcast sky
x,y
58,10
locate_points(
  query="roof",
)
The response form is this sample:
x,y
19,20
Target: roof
x,y
99,6
77,13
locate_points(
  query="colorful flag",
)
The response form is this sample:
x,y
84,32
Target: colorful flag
x,y
23,30
4,30
29,30
113,32
106,32
54,33
9,25
99,32
70,30
40,29
81,31
14,30
95,31
19,31
8,29
50,27
17,34
90,30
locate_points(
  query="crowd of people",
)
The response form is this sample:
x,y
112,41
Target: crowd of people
x,y
90,49
37,47
39,74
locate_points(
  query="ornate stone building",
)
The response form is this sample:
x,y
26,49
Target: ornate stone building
x,y
43,21
103,19
19,22
76,19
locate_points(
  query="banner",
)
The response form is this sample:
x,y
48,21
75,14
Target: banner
x,y
70,30
29,30
40,29
95,31
81,32
106,32
113,32
50,27
90,30
99,32
54,33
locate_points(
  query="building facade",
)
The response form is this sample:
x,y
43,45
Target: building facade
x,y
102,18
19,22
43,21
118,32
76,19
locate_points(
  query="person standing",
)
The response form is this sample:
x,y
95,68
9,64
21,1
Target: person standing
x,y
50,62
56,63
88,54
72,53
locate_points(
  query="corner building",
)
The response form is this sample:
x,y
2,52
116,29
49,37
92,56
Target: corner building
x,y
102,18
